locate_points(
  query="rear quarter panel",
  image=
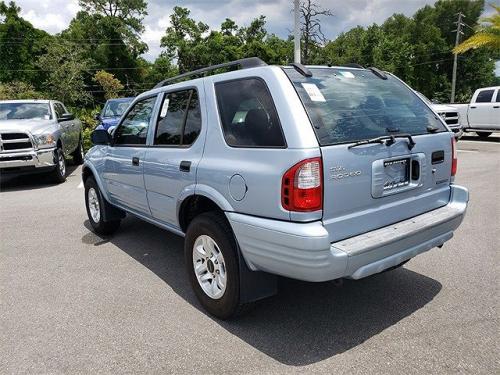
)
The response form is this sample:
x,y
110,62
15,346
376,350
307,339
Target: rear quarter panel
x,y
260,168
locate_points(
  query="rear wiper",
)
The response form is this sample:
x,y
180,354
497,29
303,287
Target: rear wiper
x,y
389,140
372,140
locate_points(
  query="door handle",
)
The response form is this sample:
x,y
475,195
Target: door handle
x,y
496,106
135,160
185,166
472,107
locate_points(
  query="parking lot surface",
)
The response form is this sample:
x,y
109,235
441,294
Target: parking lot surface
x,y
73,302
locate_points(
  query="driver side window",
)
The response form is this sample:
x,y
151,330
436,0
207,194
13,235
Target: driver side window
x,y
134,128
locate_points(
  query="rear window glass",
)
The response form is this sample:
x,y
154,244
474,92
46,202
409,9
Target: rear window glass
x,y
248,115
484,96
347,105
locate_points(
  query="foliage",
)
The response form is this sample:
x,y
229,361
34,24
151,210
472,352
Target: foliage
x,y
418,49
67,66
109,84
105,36
487,35
20,46
19,90
88,118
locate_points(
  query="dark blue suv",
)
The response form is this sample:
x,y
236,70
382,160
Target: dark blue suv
x,y
112,112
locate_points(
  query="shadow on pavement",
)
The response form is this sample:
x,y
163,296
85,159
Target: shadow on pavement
x,y
303,324
13,182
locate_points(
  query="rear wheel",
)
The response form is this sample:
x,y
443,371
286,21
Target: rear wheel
x,y
59,172
96,205
210,251
484,134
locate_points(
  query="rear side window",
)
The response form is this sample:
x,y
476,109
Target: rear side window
x,y
248,115
498,96
484,96
179,121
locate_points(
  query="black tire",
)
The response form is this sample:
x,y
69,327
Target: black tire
x,y
483,134
214,225
78,153
100,226
58,174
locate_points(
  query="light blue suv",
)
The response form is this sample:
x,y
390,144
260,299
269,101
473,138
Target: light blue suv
x,y
315,173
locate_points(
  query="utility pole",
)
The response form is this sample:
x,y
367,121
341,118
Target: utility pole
x,y
296,41
455,56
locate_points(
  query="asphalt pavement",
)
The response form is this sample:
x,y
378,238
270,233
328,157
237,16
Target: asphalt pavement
x,y
73,302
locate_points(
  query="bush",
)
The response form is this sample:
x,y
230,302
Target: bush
x,y
89,123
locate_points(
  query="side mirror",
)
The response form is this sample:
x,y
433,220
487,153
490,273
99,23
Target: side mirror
x,y
67,117
98,117
101,137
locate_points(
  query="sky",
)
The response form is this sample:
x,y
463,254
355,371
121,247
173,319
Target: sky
x,y
55,15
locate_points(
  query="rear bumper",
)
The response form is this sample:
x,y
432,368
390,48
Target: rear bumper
x,y
303,251
27,160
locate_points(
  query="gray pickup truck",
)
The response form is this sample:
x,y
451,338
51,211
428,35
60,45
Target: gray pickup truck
x,y
38,136
314,173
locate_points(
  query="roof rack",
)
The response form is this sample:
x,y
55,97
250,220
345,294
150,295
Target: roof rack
x,y
353,65
250,62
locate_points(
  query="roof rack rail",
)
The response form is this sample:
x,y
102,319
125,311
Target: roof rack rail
x,y
353,65
301,69
378,72
250,62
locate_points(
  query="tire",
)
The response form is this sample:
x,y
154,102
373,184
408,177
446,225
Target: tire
x,y
58,174
78,153
223,303
96,205
483,134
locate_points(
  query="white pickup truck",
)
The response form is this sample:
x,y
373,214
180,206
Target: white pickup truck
x,y
482,114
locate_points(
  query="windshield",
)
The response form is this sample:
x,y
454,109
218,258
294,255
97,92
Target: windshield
x,y
347,105
22,111
115,108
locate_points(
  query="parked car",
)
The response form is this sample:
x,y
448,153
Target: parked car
x,y
482,114
112,111
38,136
313,173
448,113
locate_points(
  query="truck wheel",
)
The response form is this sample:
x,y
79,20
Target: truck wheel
x,y
59,172
95,204
483,134
210,252
78,153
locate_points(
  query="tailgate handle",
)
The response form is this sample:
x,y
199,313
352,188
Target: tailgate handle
x,y
437,157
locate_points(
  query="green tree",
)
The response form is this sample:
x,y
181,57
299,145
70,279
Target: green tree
x,y
67,65
20,46
183,40
19,90
111,86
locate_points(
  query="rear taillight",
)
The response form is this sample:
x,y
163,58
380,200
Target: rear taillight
x,y
302,186
453,156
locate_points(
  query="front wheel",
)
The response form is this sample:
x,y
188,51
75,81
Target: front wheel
x,y
211,259
483,134
95,204
59,172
